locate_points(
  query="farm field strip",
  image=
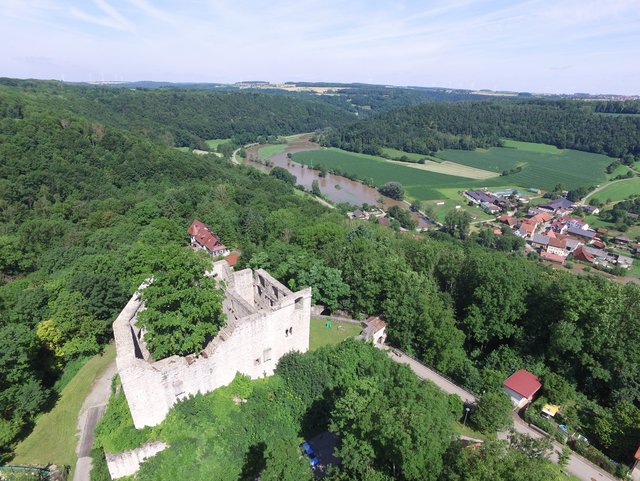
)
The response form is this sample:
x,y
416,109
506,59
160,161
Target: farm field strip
x,y
271,150
450,168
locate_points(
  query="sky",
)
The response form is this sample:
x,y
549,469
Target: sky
x,y
555,46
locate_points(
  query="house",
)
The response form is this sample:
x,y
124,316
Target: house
x,y
582,254
548,256
624,261
601,231
577,231
525,230
509,220
591,209
358,214
557,246
557,205
521,386
374,330
621,240
203,238
540,240
635,470
232,259
490,208
572,244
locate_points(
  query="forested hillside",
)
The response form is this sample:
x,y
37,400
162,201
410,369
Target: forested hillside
x,y
87,209
467,125
173,117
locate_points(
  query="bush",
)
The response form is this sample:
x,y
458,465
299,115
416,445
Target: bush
x,y
493,413
594,455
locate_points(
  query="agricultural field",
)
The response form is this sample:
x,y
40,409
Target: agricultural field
x,y
450,168
419,184
213,143
543,166
396,154
271,150
618,190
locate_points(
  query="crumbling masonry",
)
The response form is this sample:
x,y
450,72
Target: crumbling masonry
x,y
265,320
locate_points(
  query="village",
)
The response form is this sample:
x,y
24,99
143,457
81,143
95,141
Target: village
x,y
555,231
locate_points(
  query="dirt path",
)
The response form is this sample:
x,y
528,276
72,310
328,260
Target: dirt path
x,y
92,410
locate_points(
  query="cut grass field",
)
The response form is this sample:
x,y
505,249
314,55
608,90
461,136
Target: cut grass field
x,y
396,154
450,168
271,150
543,166
53,440
618,190
321,335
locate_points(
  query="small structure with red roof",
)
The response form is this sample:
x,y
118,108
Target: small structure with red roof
x,y
202,237
635,470
521,386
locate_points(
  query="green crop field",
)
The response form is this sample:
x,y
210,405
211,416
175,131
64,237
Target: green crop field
x,y
419,184
619,190
543,166
213,143
271,150
396,154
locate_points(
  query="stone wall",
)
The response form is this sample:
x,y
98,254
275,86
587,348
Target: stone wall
x,y
127,463
265,320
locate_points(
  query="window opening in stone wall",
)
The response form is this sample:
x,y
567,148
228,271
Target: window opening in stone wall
x,y
299,303
286,333
266,355
275,291
256,362
291,330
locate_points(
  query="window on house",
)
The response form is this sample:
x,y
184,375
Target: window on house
x,y
266,355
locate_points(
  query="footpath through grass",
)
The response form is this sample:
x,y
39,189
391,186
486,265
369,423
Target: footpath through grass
x,y
53,439
321,335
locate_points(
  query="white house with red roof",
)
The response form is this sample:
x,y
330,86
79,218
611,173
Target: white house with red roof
x,y
521,386
202,237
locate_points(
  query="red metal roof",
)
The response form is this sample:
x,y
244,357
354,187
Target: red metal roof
x,y
523,383
548,256
232,259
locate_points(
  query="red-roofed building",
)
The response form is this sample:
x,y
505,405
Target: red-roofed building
x,y
548,256
521,386
635,471
557,246
581,254
202,237
232,259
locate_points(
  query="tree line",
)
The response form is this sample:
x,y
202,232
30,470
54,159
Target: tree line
x,y
427,128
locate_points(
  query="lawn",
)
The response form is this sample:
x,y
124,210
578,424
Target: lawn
x,y
619,190
419,184
213,143
323,336
271,150
53,439
396,154
543,166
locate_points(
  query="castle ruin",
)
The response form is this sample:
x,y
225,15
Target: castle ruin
x,y
264,321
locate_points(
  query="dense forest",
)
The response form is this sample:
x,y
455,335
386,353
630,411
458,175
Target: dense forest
x,y
387,423
467,125
86,208
170,116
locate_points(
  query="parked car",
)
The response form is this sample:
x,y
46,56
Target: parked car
x,y
311,455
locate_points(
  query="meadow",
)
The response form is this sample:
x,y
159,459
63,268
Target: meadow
x,y
271,150
618,190
543,166
320,335
213,143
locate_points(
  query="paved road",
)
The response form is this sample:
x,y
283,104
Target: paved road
x,y
92,410
577,465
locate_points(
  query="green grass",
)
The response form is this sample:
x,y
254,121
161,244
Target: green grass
x,y
619,190
183,149
213,143
324,336
468,431
271,150
396,154
532,147
620,170
419,184
543,166
53,439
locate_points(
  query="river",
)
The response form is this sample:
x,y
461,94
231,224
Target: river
x,y
336,188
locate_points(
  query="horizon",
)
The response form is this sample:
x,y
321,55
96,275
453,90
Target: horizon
x,y
525,46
